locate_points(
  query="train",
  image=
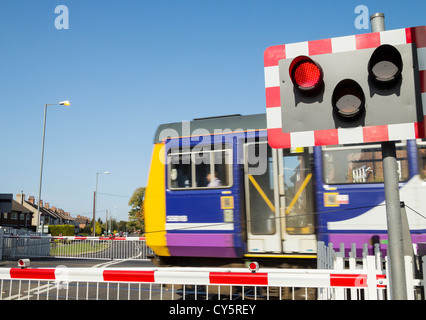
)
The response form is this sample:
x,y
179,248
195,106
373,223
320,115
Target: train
x,y
217,193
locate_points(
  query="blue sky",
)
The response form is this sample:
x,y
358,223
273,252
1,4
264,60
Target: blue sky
x,y
128,66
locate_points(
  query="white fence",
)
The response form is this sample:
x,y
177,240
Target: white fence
x,y
415,268
31,245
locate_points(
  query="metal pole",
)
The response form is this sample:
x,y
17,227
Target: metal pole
x,y
377,21
394,221
63,103
393,210
94,199
94,204
41,169
94,210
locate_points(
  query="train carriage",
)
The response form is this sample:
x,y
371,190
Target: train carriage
x,y
217,190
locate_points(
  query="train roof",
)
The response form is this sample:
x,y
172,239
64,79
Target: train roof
x,y
233,122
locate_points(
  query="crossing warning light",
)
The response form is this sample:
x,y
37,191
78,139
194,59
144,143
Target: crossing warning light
x,y
253,267
348,99
385,65
305,74
23,263
356,89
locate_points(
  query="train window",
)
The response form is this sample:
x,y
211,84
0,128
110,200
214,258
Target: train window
x,y
299,191
422,158
200,168
181,170
221,161
360,164
260,190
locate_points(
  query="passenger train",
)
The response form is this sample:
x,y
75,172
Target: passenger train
x,y
218,193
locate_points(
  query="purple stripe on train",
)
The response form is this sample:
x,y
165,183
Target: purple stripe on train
x,y
201,245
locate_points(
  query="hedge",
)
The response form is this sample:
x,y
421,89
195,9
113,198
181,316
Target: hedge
x,y
65,230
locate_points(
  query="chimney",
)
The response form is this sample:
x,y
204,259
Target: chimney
x,y
31,199
46,205
20,198
41,203
54,209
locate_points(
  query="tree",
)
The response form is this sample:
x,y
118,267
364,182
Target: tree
x,y
136,213
98,230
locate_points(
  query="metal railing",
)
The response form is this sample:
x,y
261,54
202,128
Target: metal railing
x,y
104,248
15,245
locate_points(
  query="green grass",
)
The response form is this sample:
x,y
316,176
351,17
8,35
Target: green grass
x,y
77,248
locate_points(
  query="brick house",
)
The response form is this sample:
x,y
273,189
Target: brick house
x,y
83,221
19,217
48,215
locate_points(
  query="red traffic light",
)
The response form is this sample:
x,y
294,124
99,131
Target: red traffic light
x,y
305,73
385,64
348,99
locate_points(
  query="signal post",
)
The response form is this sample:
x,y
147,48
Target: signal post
x,y
393,207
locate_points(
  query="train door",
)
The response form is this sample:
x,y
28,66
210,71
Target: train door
x,y
296,200
262,202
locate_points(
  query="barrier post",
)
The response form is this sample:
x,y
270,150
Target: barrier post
x,y
409,277
1,242
371,278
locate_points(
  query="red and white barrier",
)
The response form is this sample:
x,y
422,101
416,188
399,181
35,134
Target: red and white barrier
x,y
74,237
275,278
98,238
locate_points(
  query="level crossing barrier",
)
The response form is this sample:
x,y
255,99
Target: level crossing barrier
x,y
190,283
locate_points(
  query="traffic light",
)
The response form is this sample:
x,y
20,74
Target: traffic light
x,y
315,98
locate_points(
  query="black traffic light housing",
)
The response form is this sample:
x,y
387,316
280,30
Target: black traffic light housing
x,y
366,87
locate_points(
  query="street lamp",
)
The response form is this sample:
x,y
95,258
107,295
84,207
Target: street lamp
x,y
94,200
61,103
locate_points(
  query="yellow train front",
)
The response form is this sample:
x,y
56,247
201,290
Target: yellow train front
x,y
212,193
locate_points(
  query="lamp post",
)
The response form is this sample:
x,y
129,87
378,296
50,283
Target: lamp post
x,y
62,103
94,200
